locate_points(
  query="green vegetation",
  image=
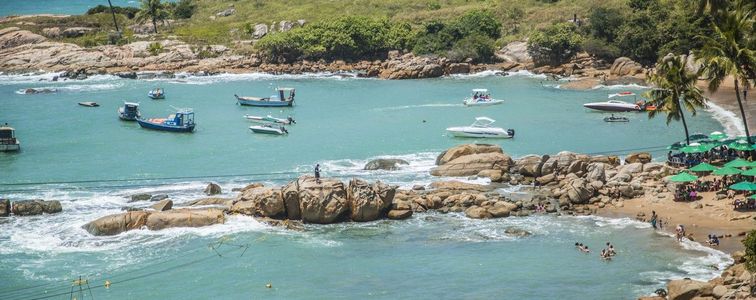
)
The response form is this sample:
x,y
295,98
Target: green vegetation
x,y
155,48
750,251
676,88
184,9
152,10
129,12
470,36
555,44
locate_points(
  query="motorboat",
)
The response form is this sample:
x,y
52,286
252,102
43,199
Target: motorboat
x,y
89,104
481,128
129,111
269,129
616,119
157,93
8,140
283,97
616,105
481,97
181,121
270,119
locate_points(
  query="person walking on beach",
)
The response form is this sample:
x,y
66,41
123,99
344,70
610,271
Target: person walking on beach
x,y
653,218
317,173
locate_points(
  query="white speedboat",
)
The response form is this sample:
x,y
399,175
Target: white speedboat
x,y
270,119
8,140
481,97
269,129
481,128
615,105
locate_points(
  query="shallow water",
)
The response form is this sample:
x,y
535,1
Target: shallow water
x,y
342,123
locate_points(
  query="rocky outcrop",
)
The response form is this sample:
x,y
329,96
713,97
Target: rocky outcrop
x,y
210,201
260,202
115,224
212,189
399,214
410,66
515,52
5,207
530,165
13,37
73,32
35,207
322,203
466,149
385,164
638,157
369,202
624,66
686,289
140,197
471,159
163,205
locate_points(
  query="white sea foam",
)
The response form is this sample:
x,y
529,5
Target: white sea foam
x,y
76,87
486,73
188,78
419,106
36,78
526,73
733,125
620,87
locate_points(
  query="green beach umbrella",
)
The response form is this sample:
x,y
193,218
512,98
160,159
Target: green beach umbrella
x,y
753,196
694,148
740,145
703,167
726,171
744,186
716,135
683,177
738,163
675,146
698,136
750,172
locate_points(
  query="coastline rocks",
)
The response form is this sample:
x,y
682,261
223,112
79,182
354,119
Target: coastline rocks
x,y
466,149
369,202
388,164
409,66
624,66
158,197
686,289
579,191
51,32
471,164
596,172
321,203
515,52
530,165
260,202
115,224
399,214
5,207
163,205
13,37
35,207
638,157
477,212
212,189
140,197
210,201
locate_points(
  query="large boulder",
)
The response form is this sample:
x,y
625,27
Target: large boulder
x,y
385,164
321,202
75,32
477,212
624,66
5,207
185,218
12,37
35,207
530,165
466,149
632,168
163,205
51,32
115,224
687,289
638,157
559,162
369,202
459,186
140,197
399,214
261,202
212,189
579,191
290,194
472,164
596,172
516,52
260,31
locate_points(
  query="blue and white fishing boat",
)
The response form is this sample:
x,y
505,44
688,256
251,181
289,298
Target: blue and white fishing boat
x,y
157,93
283,97
129,111
181,121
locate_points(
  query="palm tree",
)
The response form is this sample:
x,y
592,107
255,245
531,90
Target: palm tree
x,y
713,6
728,51
152,9
114,17
675,89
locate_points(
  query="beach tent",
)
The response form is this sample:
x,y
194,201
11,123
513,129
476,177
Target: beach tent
x,y
727,171
738,163
750,172
716,135
683,177
744,186
703,167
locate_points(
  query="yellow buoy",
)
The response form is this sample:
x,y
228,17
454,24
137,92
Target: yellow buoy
x,y
107,284
268,285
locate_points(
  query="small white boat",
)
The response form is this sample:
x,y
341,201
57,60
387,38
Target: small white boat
x,y
270,119
613,119
8,140
89,104
269,129
481,128
616,105
481,97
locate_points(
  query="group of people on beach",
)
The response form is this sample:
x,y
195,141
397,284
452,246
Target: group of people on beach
x,y
713,240
720,153
605,253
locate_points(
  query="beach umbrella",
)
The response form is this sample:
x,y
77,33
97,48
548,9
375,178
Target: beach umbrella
x,y
750,172
738,163
703,167
744,186
726,171
698,136
740,145
675,146
683,177
716,135
753,196
694,148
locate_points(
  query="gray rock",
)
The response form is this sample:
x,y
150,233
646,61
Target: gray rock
x,y
163,205
5,207
385,164
140,197
75,32
35,207
517,232
212,189
158,197
260,31
226,12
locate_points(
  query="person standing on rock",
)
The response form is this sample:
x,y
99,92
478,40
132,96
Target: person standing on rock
x,y
653,219
317,173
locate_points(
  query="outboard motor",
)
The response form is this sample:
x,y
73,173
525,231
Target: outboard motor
x,y
291,120
511,132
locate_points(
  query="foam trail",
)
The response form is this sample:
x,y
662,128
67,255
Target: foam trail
x,y
33,78
733,125
620,87
526,73
188,78
418,106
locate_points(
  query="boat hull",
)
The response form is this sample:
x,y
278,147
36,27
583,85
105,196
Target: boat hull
x,y
161,127
10,147
610,108
265,103
270,131
126,117
470,102
463,133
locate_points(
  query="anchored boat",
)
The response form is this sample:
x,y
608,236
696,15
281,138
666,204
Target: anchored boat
x,y
89,104
481,97
621,106
181,121
481,128
270,119
129,111
269,129
8,140
157,93
283,97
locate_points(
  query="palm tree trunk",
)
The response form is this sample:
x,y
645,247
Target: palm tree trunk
x,y
154,24
742,112
114,18
685,124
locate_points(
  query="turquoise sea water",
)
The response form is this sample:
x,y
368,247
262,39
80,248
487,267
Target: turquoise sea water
x,y
15,7
341,123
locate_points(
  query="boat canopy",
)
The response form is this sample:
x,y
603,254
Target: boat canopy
x,y
285,89
483,121
7,132
480,90
130,104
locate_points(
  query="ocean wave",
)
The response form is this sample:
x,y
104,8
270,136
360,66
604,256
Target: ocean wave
x,y
526,73
620,87
733,125
486,73
32,78
75,88
189,78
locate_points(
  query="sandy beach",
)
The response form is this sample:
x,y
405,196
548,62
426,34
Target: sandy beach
x,y
725,98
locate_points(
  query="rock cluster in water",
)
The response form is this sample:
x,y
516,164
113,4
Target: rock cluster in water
x,y
29,207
